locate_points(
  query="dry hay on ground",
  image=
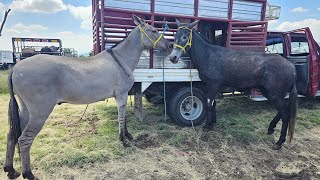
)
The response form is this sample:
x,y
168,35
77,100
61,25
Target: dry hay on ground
x,y
201,159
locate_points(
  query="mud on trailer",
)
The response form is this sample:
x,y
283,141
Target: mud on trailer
x,y
237,24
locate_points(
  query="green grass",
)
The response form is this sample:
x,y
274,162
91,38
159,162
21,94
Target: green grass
x,y
3,82
66,141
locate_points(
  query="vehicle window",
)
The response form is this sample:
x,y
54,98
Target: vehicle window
x,y
275,48
299,47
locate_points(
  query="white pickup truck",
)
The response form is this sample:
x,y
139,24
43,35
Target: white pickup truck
x,y
6,59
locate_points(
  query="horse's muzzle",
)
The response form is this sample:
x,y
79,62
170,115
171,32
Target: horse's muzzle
x,y
173,59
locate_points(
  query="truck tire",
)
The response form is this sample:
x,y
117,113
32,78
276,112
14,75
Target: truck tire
x,y
181,109
154,99
10,66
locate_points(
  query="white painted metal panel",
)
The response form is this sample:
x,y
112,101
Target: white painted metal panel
x,y
170,75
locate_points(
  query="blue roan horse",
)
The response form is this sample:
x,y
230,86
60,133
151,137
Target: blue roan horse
x,y
218,66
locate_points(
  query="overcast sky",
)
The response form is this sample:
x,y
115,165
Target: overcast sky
x,y
70,20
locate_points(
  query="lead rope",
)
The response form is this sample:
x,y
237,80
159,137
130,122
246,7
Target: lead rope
x,y
166,27
191,90
84,112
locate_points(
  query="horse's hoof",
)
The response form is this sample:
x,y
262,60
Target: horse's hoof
x,y
129,136
276,147
126,143
270,131
29,176
13,175
208,127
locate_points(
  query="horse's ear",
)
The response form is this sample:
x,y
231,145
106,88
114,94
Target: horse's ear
x,y
137,20
191,25
178,22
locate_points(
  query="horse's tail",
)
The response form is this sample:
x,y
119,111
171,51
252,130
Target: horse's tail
x,y
293,106
13,113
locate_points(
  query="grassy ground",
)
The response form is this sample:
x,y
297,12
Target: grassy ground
x,y
238,147
3,82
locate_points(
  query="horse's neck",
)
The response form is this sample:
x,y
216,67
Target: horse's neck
x,y
130,49
198,52
197,49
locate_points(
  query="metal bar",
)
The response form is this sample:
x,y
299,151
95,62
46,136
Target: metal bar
x,y
196,9
143,2
102,26
114,36
116,31
249,28
152,23
248,23
265,33
113,40
247,33
98,47
247,38
263,11
93,28
126,11
229,34
107,25
164,22
106,18
246,42
230,9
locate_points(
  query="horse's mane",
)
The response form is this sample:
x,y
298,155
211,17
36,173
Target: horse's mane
x,y
205,38
117,43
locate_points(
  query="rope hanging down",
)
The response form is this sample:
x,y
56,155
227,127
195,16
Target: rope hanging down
x,y
165,28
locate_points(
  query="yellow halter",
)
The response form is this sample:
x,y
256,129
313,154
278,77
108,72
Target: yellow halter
x,y
153,42
189,42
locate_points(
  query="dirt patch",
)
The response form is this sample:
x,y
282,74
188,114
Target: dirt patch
x,y
147,140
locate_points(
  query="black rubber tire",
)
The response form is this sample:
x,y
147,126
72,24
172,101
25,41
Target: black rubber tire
x,y
176,100
10,66
152,99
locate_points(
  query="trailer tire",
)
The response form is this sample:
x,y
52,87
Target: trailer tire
x,y
181,109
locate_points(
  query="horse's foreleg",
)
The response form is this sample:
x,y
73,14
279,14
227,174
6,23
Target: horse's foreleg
x,y
123,131
211,107
274,123
211,113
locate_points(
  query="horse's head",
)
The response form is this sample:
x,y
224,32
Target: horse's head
x,y
150,36
182,40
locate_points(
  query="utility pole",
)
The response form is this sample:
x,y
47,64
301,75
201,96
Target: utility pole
x,y
4,20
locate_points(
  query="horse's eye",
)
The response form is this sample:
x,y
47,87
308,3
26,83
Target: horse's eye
x,y
184,37
154,30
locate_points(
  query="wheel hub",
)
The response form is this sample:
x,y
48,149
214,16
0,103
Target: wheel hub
x,y
191,108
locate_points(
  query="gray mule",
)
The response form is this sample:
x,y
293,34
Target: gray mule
x,y
42,81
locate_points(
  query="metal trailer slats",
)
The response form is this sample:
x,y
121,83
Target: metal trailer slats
x,y
244,20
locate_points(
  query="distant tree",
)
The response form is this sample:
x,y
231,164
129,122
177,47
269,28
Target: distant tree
x,y
91,53
4,20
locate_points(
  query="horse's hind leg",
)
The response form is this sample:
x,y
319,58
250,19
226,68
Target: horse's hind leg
x,y
282,109
274,123
123,131
24,118
8,167
37,118
277,118
24,114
